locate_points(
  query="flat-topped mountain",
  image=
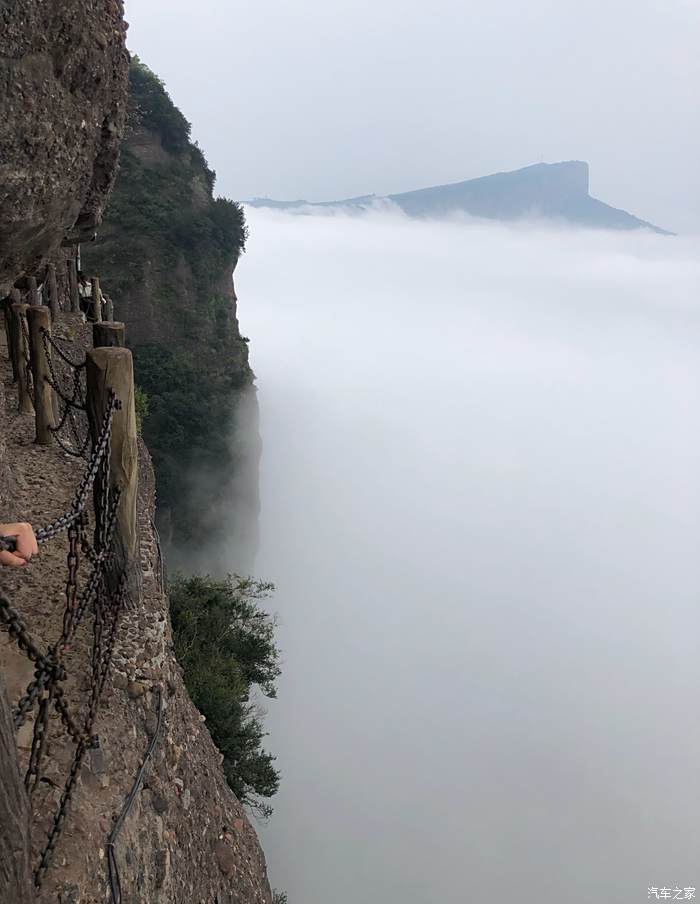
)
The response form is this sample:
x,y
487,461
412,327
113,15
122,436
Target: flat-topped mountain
x,y
553,191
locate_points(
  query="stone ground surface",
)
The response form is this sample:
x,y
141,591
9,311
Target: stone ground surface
x,y
187,838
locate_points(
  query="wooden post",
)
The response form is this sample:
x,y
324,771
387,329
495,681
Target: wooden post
x,y
109,308
19,315
96,299
108,335
113,369
33,290
73,286
40,318
53,290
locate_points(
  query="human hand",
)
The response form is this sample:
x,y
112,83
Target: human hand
x,y
26,544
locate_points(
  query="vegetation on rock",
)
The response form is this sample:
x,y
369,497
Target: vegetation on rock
x,y
225,642
166,253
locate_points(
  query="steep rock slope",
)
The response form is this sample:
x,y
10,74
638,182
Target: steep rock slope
x,y
167,252
63,73
558,191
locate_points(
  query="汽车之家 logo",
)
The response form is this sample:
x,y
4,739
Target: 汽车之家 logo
x,y
671,894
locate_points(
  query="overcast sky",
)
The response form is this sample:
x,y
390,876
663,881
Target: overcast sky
x,y
328,98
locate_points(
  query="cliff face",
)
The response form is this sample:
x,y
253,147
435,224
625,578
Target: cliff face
x,y
63,80
166,254
63,71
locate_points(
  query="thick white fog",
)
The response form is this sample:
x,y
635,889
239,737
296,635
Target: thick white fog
x,y
481,506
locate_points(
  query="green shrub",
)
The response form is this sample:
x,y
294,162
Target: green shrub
x,y
150,101
141,404
225,642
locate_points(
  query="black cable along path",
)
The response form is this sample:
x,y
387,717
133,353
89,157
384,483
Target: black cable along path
x,y
115,885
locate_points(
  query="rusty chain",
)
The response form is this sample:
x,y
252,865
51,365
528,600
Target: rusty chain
x,y
63,522
103,598
74,404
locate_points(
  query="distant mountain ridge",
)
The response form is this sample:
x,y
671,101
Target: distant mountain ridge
x,y
552,191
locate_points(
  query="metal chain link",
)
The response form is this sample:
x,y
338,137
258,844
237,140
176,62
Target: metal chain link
x,y
52,341
63,522
97,595
71,403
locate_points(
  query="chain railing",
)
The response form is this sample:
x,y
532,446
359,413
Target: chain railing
x,y
71,430
74,404
98,595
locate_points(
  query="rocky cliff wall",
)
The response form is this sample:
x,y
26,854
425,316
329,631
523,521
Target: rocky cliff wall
x,y
166,253
63,71
63,81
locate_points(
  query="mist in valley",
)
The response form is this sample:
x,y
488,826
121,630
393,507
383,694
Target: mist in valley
x,y
480,502
480,472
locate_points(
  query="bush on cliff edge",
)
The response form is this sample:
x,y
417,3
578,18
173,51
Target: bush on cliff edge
x,y
224,640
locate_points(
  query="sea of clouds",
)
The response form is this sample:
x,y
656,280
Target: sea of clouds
x,y
481,505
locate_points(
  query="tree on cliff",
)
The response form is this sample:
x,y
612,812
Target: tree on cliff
x,y
224,641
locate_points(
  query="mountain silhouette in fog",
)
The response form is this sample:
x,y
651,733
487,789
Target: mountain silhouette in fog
x,y
556,191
